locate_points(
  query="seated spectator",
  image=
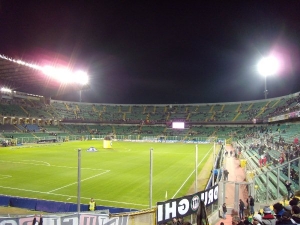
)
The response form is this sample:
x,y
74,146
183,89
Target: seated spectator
x,y
246,221
278,210
268,218
257,219
296,214
285,219
294,201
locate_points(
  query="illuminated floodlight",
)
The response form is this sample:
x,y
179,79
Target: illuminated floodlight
x,y
81,77
63,75
3,89
268,66
48,70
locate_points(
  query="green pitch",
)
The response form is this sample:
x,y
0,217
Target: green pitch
x,y
113,177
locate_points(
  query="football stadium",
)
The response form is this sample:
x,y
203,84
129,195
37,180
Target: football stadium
x,y
141,164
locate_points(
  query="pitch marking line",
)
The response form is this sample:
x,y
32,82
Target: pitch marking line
x,y
24,162
70,196
4,176
191,174
48,164
76,182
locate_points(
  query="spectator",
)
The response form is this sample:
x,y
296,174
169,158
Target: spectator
x,y
296,214
285,219
251,204
247,222
294,201
174,221
268,218
241,209
289,189
180,221
224,209
278,210
226,173
257,219
226,153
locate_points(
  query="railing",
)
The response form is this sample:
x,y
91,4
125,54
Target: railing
x,y
61,138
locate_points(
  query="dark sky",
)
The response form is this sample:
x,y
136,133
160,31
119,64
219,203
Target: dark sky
x,y
148,52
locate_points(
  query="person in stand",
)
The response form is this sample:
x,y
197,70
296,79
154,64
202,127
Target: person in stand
x,y
174,221
268,218
285,219
251,205
241,209
296,214
257,219
34,222
180,221
226,173
289,189
92,205
224,209
226,153
278,210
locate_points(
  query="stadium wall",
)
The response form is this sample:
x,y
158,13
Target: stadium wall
x,y
52,206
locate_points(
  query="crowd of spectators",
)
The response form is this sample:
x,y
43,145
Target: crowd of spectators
x,y
281,214
291,104
153,114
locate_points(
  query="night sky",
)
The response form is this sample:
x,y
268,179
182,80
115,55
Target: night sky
x,y
157,52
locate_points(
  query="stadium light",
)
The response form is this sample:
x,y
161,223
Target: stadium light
x,y
61,74
7,90
268,66
81,77
64,75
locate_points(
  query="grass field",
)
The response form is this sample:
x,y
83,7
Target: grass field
x,y
113,177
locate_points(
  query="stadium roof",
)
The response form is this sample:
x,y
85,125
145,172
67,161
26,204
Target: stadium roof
x,y
21,77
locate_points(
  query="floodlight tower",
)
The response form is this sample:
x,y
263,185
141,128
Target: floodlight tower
x,y
267,66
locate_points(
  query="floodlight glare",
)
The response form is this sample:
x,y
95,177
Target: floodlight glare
x,y
268,66
63,75
3,89
48,70
81,77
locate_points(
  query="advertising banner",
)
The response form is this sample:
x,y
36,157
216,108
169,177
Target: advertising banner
x,y
184,206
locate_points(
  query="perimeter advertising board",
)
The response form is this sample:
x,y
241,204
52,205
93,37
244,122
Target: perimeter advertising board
x,y
85,219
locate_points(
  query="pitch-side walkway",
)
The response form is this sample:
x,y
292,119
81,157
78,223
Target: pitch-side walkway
x,y
237,174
